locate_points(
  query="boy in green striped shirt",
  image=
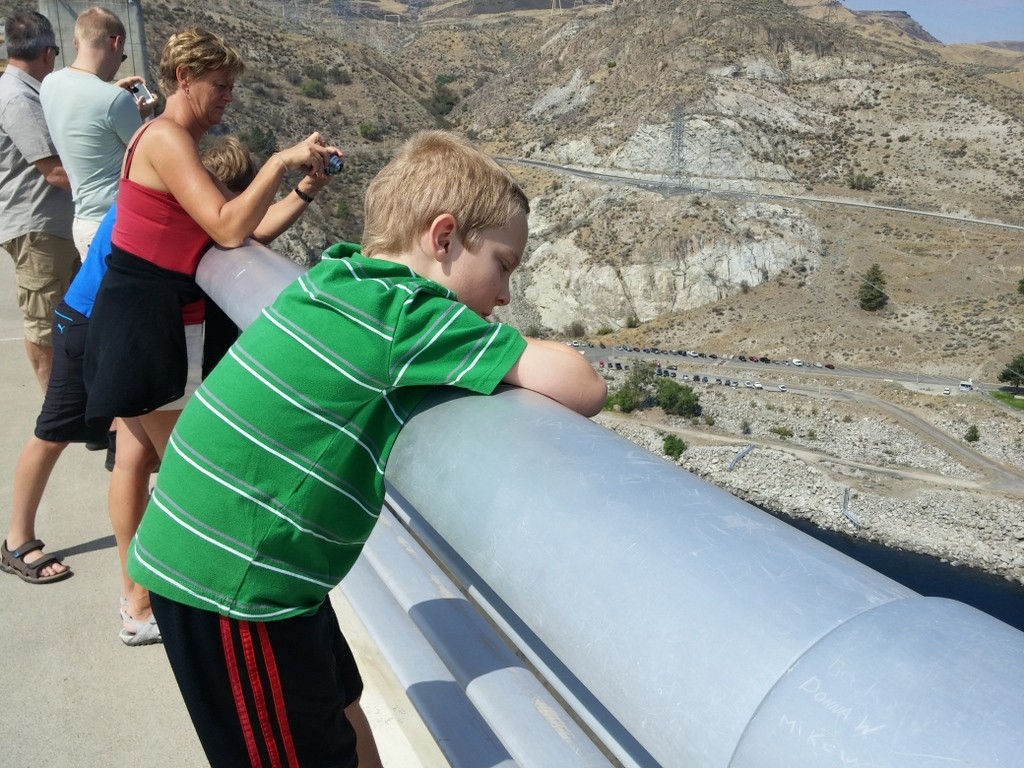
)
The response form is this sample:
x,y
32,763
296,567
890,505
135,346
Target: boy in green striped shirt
x,y
274,476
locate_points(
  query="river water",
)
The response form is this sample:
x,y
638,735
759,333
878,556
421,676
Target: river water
x,y
927,575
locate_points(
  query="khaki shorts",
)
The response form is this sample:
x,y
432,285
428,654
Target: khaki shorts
x,y
44,266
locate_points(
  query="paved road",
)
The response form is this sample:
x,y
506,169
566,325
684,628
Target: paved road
x,y
664,186
998,477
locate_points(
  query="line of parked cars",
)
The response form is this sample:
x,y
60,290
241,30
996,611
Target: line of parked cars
x,y
712,356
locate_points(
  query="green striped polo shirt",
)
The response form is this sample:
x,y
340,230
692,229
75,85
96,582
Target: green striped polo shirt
x,y
274,475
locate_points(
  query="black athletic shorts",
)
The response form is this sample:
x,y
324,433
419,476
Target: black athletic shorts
x,y
264,693
62,418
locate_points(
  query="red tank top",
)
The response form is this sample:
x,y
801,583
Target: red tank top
x,y
153,226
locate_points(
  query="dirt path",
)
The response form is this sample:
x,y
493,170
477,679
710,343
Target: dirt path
x,y
997,477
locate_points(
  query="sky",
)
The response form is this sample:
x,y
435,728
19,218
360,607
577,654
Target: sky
x,y
957,21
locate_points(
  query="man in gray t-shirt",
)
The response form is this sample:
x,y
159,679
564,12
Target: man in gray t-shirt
x,y
35,198
92,119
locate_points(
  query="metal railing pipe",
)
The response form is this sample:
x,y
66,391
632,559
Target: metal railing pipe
x,y
714,634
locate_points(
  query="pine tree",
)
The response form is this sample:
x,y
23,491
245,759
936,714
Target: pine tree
x,y
872,290
1013,373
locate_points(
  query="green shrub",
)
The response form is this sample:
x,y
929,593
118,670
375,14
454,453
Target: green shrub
x,y
1013,373
314,89
871,293
783,432
635,391
973,434
673,446
676,399
861,181
442,101
369,131
339,75
576,329
261,141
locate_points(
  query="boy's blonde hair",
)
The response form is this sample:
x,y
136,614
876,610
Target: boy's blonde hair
x,y
230,161
201,52
436,172
94,26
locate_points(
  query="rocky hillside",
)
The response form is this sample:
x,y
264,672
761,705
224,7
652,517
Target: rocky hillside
x,y
749,114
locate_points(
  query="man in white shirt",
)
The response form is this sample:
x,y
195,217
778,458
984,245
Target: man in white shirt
x,y
92,119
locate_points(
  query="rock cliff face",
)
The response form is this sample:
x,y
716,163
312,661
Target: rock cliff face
x,y
729,111
665,261
729,98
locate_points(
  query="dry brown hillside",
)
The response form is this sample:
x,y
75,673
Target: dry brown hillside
x,y
732,99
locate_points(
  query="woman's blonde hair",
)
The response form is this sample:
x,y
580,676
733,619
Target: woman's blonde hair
x,y
436,172
231,162
200,51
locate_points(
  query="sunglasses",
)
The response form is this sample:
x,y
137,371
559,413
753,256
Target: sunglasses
x,y
124,56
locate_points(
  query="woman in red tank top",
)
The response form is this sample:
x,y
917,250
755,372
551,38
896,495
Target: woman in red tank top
x,y
147,321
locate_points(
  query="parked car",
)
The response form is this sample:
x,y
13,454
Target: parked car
x,y
782,388
757,385
830,366
749,384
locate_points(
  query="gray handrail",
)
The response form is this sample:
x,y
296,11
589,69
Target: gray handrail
x,y
709,633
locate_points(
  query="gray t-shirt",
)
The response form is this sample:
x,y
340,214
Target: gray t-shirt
x,y
28,203
91,123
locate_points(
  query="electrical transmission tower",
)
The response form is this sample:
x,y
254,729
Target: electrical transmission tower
x,y
677,158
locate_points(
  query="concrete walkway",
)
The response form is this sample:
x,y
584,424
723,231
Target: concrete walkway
x,y
73,694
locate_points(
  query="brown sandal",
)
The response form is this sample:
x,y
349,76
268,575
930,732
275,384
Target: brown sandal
x,y
13,562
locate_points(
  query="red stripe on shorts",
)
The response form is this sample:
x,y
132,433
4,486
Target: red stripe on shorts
x,y
237,693
262,713
277,695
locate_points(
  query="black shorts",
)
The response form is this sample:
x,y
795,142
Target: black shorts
x,y
264,693
62,418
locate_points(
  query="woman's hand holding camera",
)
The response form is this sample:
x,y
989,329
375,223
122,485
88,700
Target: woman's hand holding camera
x,y
310,156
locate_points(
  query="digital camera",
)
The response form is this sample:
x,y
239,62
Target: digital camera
x,y
143,96
333,165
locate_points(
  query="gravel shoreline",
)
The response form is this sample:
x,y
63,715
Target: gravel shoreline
x,y
967,525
